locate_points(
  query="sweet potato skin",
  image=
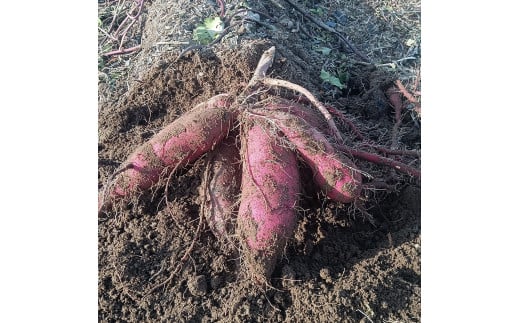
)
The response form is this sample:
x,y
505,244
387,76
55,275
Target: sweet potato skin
x,y
335,174
181,142
270,188
223,187
312,116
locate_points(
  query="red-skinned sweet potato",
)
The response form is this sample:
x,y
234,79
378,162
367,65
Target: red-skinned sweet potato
x,y
270,188
335,174
181,142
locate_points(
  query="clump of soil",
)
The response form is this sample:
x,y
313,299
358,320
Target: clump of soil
x,y
338,266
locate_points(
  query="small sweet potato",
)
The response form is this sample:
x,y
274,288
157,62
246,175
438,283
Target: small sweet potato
x,y
223,186
335,174
181,142
270,188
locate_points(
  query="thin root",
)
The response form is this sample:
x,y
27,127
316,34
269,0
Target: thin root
x,y
190,248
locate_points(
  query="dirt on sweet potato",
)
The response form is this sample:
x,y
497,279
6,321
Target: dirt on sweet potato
x,y
270,189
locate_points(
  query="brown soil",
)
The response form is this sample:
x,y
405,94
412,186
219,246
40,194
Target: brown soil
x,y
338,266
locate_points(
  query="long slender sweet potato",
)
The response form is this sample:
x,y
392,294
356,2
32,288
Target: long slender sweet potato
x,y
336,175
270,187
179,143
223,186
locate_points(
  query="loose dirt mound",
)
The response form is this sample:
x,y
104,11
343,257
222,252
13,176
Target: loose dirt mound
x,y
338,267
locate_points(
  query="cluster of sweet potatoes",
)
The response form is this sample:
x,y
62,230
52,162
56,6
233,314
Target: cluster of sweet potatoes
x,y
253,175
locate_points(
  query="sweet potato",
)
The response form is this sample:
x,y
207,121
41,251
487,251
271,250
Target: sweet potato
x,y
335,174
179,143
270,187
304,112
223,186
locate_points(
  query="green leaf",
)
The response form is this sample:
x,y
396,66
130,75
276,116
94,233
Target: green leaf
x,y
214,24
329,78
318,11
205,33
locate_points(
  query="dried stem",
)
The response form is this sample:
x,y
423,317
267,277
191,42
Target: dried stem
x,y
321,24
265,62
123,51
132,17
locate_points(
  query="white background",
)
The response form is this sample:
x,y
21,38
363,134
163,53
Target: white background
x,y
470,103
